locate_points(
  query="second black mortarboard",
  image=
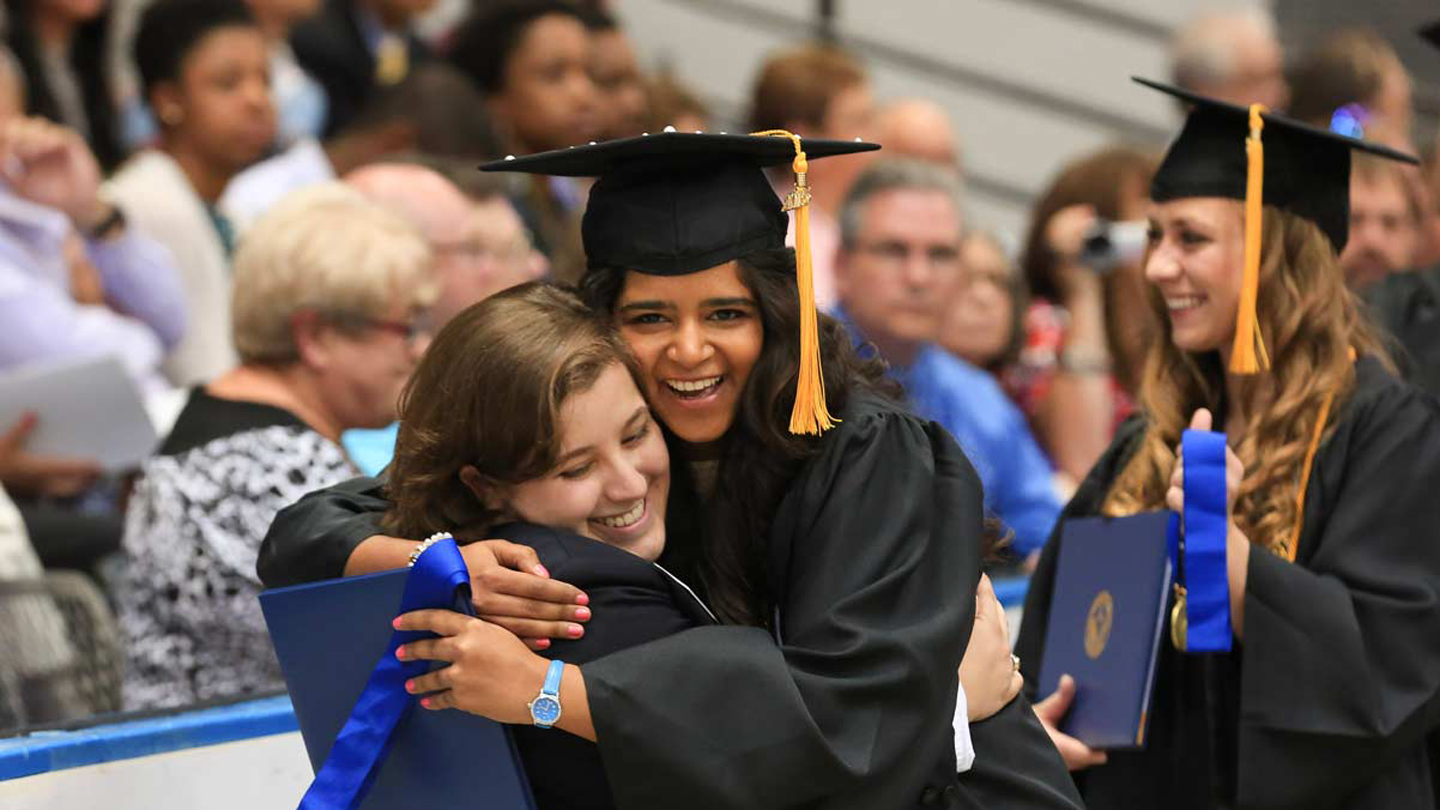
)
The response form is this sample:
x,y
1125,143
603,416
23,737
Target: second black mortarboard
x,y
1260,158
676,203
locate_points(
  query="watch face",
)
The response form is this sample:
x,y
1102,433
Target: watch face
x,y
545,710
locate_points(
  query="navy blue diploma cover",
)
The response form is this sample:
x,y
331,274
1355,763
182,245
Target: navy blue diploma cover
x,y
328,637
1106,619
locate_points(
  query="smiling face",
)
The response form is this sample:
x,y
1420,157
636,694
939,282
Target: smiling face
x,y
613,474
697,338
1196,257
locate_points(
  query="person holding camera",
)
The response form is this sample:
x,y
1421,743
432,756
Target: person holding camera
x,y
1087,325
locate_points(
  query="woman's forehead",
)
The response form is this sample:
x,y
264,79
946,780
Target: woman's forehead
x,y
719,281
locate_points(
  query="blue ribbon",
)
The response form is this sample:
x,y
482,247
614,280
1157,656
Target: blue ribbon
x,y
1207,580
439,579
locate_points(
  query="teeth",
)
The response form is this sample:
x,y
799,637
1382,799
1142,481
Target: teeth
x,y
627,519
690,386
1184,302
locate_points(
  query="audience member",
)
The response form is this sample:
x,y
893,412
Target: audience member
x,y
355,47
983,324
817,92
671,104
1233,56
532,62
434,113
204,65
1385,217
468,267
918,128
900,229
1088,325
1407,305
61,46
616,73
1355,81
329,296
301,105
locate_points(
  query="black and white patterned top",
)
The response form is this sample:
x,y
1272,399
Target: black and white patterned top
x,y
188,608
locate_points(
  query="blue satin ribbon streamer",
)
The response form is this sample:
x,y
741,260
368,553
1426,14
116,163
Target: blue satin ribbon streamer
x,y
1207,580
439,579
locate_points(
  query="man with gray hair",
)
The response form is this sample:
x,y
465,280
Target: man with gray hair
x,y
1233,56
899,261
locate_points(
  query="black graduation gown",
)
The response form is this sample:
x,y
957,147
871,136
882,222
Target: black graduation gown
x,y
1408,306
1328,701
634,601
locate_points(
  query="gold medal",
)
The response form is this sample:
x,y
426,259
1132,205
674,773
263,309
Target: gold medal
x,y
1179,621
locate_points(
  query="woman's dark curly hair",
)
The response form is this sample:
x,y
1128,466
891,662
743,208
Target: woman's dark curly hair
x,y
759,456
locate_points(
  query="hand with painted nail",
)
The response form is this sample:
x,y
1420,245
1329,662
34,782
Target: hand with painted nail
x,y
490,672
510,588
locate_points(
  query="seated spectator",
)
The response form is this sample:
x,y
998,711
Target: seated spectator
x,y
204,64
983,324
672,104
75,279
918,128
468,267
355,47
532,62
434,113
1385,216
329,297
899,259
1087,326
62,46
1354,80
616,73
1232,56
817,92
301,105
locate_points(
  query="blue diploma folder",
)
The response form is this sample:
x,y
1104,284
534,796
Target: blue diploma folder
x,y
1106,618
328,637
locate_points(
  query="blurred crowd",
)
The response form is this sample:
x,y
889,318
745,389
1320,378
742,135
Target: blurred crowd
x,y
263,209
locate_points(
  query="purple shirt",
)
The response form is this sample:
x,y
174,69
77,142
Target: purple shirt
x,y
44,323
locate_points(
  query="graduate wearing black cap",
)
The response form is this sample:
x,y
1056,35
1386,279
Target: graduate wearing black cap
x,y
1330,691
838,535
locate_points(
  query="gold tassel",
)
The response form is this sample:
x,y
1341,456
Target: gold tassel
x,y
1248,354
809,416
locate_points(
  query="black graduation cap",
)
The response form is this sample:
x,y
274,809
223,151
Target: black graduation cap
x,y
676,203
1430,32
1249,154
1306,168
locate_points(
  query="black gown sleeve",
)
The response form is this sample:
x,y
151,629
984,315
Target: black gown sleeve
x,y
880,541
313,538
1016,766
1342,648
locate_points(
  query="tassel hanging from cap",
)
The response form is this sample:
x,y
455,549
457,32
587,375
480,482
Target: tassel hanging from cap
x,y
809,415
1248,354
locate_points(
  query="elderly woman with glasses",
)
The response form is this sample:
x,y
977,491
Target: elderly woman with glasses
x,y
329,319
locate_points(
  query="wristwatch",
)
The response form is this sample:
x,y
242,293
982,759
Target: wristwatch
x,y
427,543
545,708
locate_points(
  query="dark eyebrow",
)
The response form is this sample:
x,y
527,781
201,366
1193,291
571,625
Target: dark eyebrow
x,y
728,302
636,305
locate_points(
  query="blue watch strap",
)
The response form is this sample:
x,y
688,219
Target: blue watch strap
x,y
552,678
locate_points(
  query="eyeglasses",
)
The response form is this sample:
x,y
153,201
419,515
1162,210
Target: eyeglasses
x,y
415,330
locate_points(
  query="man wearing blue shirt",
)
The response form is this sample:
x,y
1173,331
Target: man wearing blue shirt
x,y
899,260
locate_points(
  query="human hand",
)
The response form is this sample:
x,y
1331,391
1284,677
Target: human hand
x,y
510,588
490,672
29,473
1065,237
51,165
1051,711
988,671
1237,545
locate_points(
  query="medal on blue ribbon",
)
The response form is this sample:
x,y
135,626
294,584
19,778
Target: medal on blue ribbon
x,y
1200,619
439,579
